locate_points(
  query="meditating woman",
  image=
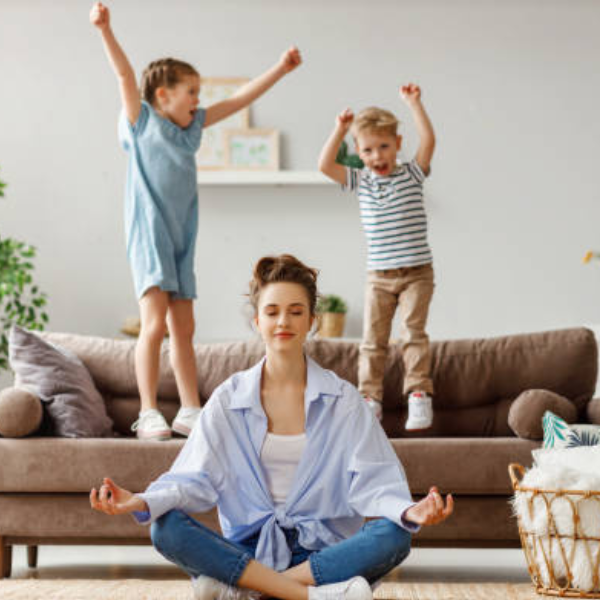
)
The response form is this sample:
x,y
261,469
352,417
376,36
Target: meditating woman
x,y
313,502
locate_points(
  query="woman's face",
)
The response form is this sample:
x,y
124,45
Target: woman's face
x,y
283,317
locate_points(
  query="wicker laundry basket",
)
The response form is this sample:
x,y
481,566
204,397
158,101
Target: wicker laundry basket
x,y
562,560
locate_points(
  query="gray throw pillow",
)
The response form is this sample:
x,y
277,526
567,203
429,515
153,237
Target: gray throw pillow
x,y
58,378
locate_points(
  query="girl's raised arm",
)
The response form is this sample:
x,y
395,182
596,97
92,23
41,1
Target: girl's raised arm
x,y
130,94
289,60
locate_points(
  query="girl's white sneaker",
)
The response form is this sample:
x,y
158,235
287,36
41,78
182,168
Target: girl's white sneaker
x,y
357,588
151,426
185,420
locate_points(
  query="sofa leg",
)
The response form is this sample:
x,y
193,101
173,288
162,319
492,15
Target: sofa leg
x,y
5,559
32,556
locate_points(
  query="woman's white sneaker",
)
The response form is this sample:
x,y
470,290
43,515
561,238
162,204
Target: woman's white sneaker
x,y
207,588
151,426
357,588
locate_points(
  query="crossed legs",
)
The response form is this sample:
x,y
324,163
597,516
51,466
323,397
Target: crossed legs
x,y
372,552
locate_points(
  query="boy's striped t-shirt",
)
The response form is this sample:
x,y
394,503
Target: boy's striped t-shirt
x,y
393,216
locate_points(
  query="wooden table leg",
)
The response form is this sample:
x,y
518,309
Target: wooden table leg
x,y
5,559
32,556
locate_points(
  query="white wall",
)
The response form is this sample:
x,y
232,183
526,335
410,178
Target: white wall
x,y
512,88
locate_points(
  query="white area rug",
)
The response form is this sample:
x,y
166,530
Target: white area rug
x,y
136,589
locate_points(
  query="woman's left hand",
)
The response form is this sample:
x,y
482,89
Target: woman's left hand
x,y
431,510
290,59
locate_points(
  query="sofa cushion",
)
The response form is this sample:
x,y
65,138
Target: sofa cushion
x,y
461,466
58,378
69,515
475,380
526,412
20,413
477,372
111,363
476,521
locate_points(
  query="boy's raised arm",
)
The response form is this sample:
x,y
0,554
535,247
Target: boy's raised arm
x,y
130,94
327,164
411,94
253,89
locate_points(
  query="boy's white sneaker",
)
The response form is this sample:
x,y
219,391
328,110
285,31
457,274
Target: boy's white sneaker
x,y
207,588
151,426
376,407
356,588
185,420
420,411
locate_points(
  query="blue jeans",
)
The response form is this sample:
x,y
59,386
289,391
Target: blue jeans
x,y
373,551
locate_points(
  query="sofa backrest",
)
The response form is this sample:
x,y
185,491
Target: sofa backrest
x,y
475,380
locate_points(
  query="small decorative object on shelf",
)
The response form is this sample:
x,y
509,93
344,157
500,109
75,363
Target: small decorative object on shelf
x,y
331,316
348,160
212,150
255,149
131,326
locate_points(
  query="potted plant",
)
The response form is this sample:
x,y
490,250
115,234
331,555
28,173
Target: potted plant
x,y
344,157
21,301
331,315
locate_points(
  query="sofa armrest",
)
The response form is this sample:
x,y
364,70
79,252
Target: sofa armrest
x,y
593,411
20,412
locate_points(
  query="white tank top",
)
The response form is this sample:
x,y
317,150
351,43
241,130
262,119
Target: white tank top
x,y
280,456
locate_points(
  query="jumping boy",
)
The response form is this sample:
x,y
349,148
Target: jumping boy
x,y
400,268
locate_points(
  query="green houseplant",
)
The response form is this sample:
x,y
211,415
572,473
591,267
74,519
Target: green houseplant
x,y
331,315
344,157
21,301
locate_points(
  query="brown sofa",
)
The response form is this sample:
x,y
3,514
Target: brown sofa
x,y
45,481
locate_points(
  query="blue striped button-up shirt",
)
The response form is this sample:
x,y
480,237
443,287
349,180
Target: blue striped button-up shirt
x,y
348,470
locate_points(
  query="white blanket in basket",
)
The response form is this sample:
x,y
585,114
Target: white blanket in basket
x,y
564,469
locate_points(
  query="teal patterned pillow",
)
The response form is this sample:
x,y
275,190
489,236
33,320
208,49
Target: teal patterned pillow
x,y
559,434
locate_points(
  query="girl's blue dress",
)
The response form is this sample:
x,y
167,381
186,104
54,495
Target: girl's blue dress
x,y
161,201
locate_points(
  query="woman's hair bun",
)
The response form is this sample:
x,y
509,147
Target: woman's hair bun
x,y
283,268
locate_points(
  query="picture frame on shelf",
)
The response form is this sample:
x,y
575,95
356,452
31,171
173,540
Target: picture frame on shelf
x,y
251,149
211,155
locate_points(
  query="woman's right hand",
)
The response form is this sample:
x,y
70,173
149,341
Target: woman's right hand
x,y
115,500
99,16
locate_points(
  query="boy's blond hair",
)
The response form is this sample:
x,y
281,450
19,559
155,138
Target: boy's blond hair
x,y
377,120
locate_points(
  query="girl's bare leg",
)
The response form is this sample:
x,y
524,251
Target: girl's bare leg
x,y
262,579
180,318
153,312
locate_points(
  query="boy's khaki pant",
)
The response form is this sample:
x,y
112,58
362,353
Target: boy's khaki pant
x,y
412,289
